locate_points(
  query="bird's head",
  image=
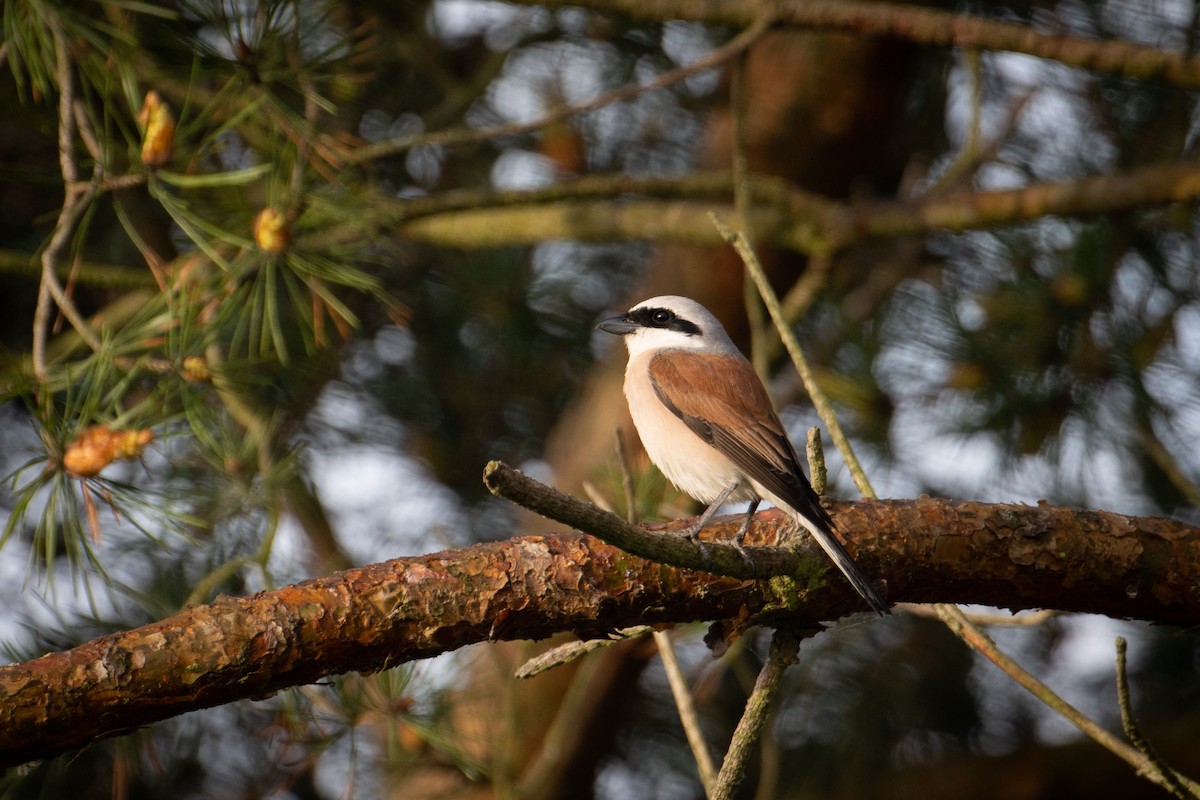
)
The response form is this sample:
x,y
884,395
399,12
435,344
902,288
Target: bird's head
x,y
669,322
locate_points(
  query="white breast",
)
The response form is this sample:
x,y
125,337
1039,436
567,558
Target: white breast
x,y
693,465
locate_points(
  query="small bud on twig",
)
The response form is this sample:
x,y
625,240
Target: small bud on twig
x,y
158,131
96,447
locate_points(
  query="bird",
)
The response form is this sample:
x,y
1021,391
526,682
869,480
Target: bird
x,y
707,422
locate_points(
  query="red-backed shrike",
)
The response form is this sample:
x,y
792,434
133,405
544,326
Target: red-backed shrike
x,y
706,420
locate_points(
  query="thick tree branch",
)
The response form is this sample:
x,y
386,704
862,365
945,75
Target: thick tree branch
x,y
531,587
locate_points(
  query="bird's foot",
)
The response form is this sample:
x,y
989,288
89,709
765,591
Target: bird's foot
x,y
746,558
746,520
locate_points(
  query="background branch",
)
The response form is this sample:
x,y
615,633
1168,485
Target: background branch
x,y
1150,764
780,214
757,25
921,25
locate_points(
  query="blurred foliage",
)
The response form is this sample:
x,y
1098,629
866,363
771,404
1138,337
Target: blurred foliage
x,y
1058,352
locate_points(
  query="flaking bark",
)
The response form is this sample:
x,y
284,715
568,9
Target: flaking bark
x,y
530,587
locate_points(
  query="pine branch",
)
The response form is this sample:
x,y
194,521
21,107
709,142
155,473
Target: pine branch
x,y
530,587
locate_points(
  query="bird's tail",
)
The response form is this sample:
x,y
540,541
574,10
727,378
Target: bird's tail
x,y
833,548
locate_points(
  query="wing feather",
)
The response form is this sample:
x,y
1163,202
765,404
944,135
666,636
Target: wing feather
x,y
723,402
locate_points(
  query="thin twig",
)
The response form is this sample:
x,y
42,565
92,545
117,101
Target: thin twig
x,y
88,136
626,479
77,198
715,557
741,205
202,591
1029,619
571,651
41,327
954,617
1161,773
804,292
154,260
784,646
666,650
90,273
957,621
782,654
819,399
462,136
967,158
564,734
66,99
950,614
687,711
1162,457
117,182
700,185
49,263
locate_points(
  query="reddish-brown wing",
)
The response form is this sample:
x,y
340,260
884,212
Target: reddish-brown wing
x,y
721,399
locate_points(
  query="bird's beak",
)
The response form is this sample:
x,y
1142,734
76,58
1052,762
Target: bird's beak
x,y
620,326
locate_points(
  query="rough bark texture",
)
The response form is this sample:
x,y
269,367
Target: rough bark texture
x,y
531,587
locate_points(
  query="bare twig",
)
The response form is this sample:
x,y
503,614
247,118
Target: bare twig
x,y
63,300
88,136
1161,456
710,556
1158,770
819,399
204,588
66,101
41,327
951,614
76,199
566,653
967,157
563,736
982,643
118,182
626,479
957,621
1029,619
666,649
782,654
687,711
759,329
798,300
